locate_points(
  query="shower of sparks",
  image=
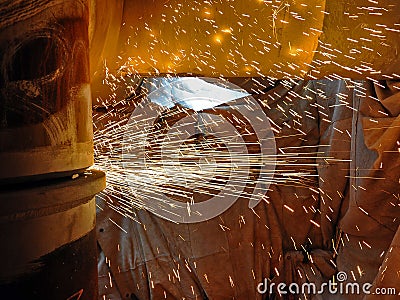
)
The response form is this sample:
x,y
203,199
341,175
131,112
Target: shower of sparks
x,y
281,38
232,39
198,167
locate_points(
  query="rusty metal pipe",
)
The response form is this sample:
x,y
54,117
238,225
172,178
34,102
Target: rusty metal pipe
x,y
45,101
48,238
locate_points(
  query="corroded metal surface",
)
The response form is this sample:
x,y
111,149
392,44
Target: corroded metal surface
x,y
45,105
49,247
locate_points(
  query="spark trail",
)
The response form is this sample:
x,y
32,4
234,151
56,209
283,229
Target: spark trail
x,y
189,168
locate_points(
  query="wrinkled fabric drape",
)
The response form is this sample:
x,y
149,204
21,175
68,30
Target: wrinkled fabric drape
x,y
342,218
372,217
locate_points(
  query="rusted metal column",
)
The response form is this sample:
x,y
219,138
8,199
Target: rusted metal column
x,y
48,239
47,208
45,124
